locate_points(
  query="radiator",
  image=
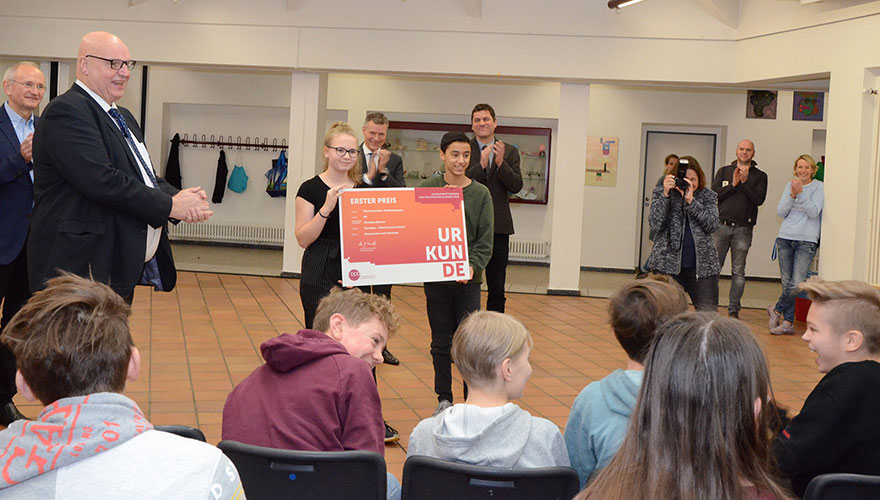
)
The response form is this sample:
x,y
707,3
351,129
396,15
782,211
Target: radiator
x,y
529,250
253,234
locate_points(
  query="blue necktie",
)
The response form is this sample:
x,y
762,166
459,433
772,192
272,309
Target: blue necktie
x,y
150,274
127,134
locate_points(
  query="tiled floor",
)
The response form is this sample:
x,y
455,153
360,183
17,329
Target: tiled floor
x,y
199,340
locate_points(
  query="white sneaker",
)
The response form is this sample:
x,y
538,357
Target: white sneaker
x,y
784,328
444,404
775,317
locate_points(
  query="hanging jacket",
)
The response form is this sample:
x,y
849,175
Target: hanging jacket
x,y
172,168
220,180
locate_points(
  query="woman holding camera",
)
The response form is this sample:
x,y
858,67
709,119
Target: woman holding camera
x,y
683,216
798,239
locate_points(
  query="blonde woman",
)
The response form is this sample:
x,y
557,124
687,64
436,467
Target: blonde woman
x,y
801,210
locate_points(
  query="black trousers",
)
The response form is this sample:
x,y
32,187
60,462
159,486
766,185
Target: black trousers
x,y
448,303
496,273
310,296
703,291
14,292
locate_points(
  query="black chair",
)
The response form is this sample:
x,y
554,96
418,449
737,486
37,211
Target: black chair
x,y
270,473
182,430
843,487
426,478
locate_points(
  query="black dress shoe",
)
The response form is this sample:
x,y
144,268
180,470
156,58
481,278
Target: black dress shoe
x,y
389,358
9,413
733,314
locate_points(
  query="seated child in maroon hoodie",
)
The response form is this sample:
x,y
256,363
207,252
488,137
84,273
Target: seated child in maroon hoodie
x,y
316,392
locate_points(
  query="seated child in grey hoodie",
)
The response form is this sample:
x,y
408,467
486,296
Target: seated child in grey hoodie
x,y
491,350
600,414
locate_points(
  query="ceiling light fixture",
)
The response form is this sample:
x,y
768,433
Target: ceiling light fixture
x,y
619,4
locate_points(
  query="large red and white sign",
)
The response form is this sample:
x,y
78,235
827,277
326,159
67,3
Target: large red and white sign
x,y
402,235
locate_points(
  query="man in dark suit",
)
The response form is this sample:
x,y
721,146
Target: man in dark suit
x,y
375,158
100,211
380,168
24,86
496,165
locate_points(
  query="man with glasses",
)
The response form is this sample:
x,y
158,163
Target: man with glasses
x,y
100,210
24,85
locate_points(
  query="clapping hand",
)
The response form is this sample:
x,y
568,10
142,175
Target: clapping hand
x,y
498,147
378,164
484,156
191,205
27,148
797,187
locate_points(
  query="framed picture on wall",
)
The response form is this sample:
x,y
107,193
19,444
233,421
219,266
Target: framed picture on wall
x,y
761,104
601,167
808,106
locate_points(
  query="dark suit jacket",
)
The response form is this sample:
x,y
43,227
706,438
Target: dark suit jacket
x,y
394,177
16,192
92,205
502,182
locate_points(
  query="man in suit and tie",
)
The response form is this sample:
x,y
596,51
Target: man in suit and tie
x,y
496,165
24,86
381,168
376,159
100,211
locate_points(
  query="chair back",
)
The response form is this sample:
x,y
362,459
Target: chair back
x,y
183,431
274,474
427,478
843,487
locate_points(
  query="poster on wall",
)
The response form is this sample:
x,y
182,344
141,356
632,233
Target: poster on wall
x,y
402,235
808,106
601,167
761,104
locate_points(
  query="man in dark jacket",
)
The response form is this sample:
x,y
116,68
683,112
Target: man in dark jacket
x,y
100,211
741,189
496,165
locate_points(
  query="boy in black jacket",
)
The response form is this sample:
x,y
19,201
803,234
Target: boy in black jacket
x,y
836,430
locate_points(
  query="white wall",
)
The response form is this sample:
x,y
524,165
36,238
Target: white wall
x,y
235,103
199,165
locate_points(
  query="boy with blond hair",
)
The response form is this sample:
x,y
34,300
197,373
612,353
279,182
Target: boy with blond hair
x,y
491,350
315,392
836,430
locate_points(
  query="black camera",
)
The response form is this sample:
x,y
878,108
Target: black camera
x,y
680,175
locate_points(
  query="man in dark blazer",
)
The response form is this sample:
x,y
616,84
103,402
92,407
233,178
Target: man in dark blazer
x,y
100,211
24,86
375,158
496,165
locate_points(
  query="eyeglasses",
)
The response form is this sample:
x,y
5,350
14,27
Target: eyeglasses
x,y
340,151
116,64
31,85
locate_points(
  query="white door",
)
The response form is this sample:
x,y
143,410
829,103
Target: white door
x,y
658,144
